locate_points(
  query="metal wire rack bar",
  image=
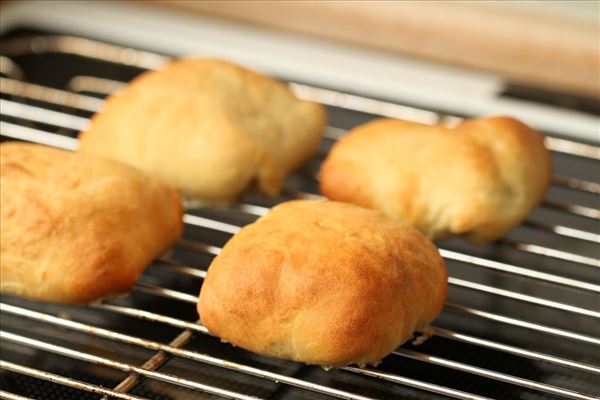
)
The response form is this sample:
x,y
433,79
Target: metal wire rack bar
x,y
572,148
76,384
50,95
42,115
169,293
523,297
150,316
38,136
524,324
9,68
554,144
513,269
202,274
414,383
564,231
11,396
153,363
182,269
61,350
455,307
533,355
548,252
492,374
229,228
210,223
582,211
573,209
357,103
195,245
351,102
93,84
154,317
85,48
576,184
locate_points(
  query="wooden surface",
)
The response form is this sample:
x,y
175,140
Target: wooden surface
x,y
555,52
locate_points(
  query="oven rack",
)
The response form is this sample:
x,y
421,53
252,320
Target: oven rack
x,y
76,123
92,104
31,123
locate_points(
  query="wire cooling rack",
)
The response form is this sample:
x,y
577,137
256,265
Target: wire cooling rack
x,y
521,319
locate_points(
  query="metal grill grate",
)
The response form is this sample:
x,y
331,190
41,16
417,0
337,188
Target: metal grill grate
x,y
521,321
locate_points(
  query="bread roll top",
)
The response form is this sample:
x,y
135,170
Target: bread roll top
x,y
478,179
209,127
324,283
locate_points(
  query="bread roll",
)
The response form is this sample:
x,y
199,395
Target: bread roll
x,y
209,127
323,283
76,228
479,179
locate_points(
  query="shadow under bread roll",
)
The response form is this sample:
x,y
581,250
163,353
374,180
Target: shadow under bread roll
x,y
324,283
76,228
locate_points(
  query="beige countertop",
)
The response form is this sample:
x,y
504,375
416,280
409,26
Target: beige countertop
x,y
553,45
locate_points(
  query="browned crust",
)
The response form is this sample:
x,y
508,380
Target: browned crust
x,y
77,228
323,283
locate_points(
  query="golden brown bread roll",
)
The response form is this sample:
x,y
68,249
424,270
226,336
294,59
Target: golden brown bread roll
x,y
75,228
209,127
479,179
323,283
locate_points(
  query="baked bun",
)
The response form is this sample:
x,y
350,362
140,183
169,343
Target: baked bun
x,y
479,179
76,228
209,127
323,283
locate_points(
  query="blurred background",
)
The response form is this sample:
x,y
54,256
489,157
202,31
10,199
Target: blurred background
x,y
474,57
521,320
550,44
